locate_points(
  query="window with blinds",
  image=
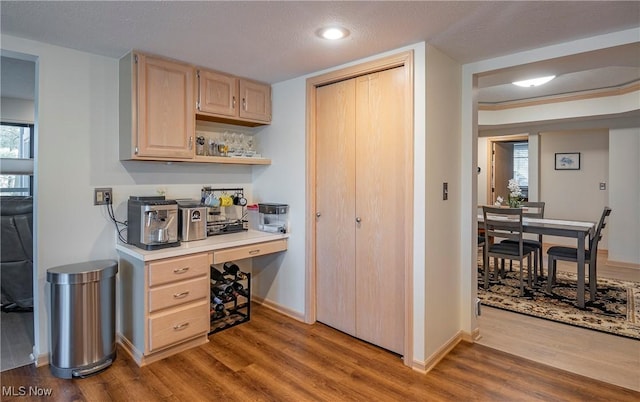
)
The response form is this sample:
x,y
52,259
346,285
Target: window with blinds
x,y
16,154
521,166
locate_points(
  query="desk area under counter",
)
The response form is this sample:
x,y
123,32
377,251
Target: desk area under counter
x,y
163,295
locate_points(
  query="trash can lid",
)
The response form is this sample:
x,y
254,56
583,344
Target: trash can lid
x,y
83,272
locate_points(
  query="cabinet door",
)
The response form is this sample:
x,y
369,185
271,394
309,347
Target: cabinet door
x,y
166,116
335,227
255,101
218,93
381,167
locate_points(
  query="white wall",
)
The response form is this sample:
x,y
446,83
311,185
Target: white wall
x,y
574,194
624,195
76,151
280,279
442,245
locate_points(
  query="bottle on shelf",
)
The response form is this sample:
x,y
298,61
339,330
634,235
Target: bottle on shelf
x,y
216,275
239,288
231,268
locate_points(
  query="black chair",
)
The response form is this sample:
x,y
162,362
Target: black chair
x,y
571,254
505,223
534,209
482,244
16,249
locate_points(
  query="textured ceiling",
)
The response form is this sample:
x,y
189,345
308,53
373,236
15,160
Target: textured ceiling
x,y
273,41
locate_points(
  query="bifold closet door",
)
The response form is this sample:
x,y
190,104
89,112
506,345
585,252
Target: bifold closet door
x,y
381,169
360,176
335,183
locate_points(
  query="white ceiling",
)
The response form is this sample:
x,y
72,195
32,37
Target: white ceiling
x,y
273,41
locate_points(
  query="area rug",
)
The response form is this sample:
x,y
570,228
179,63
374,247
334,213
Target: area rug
x,y
616,309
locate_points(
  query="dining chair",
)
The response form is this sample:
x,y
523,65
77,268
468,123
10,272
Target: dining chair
x,y
481,244
533,209
571,254
505,223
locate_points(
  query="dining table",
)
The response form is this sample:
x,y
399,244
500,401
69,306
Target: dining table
x,y
580,230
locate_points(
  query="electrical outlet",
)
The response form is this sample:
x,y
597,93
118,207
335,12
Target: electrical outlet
x,y
603,186
102,196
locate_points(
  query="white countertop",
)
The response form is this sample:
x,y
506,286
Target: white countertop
x,y
211,243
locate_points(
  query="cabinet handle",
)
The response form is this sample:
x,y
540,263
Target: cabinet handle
x,y
244,104
234,102
180,270
318,214
358,219
180,327
190,142
252,252
180,295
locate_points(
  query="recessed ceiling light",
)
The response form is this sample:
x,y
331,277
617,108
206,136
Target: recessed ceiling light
x,y
534,82
333,33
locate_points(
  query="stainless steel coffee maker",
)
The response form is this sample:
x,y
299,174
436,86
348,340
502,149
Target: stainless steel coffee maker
x,y
152,222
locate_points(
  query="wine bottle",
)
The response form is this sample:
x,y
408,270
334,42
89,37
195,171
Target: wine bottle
x,y
220,294
231,268
217,275
237,286
217,307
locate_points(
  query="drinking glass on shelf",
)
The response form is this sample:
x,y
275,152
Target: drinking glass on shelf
x,y
251,150
241,143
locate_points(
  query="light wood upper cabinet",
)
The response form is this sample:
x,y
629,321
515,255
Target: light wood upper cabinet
x,y
229,99
157,115
217,93
255,103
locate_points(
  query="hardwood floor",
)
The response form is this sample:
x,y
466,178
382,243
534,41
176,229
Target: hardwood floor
x,y
275,358
597,355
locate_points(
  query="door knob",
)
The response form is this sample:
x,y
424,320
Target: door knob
x,y
358,219
318,214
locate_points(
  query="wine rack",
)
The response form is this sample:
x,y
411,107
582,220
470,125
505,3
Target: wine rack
x,y
230,303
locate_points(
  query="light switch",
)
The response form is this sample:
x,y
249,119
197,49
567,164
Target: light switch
x,y
445,191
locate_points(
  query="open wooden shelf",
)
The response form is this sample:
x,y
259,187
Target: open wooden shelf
x,y
232,160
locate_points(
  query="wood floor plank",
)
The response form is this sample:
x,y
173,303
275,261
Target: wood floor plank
x,y
275,358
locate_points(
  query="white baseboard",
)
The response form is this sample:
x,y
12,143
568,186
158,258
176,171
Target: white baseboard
x,y
426,366
39,360
296,315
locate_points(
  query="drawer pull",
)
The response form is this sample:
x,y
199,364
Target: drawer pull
x,y
180,295
180,270
252,252
180,327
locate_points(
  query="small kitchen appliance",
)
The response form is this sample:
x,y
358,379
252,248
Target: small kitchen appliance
x,y
273,217
152,222
225,210
192,220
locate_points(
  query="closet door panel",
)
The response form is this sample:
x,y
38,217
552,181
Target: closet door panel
x,y
335,227
380,178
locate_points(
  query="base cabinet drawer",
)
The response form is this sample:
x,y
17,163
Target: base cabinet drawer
x,y
254,250
177,269
178,324
174,294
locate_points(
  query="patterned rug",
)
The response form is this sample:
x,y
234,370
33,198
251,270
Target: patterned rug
x,y
616,309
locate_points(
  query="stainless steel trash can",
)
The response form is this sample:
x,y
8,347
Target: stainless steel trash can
x,y
82,325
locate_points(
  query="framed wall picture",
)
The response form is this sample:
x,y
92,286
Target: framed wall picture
x,y
568,161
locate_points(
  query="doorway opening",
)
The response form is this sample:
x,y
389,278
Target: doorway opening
x,y
17,151
507,158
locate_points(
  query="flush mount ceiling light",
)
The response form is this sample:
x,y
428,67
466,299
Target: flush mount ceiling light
x,y
534,82
333,33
